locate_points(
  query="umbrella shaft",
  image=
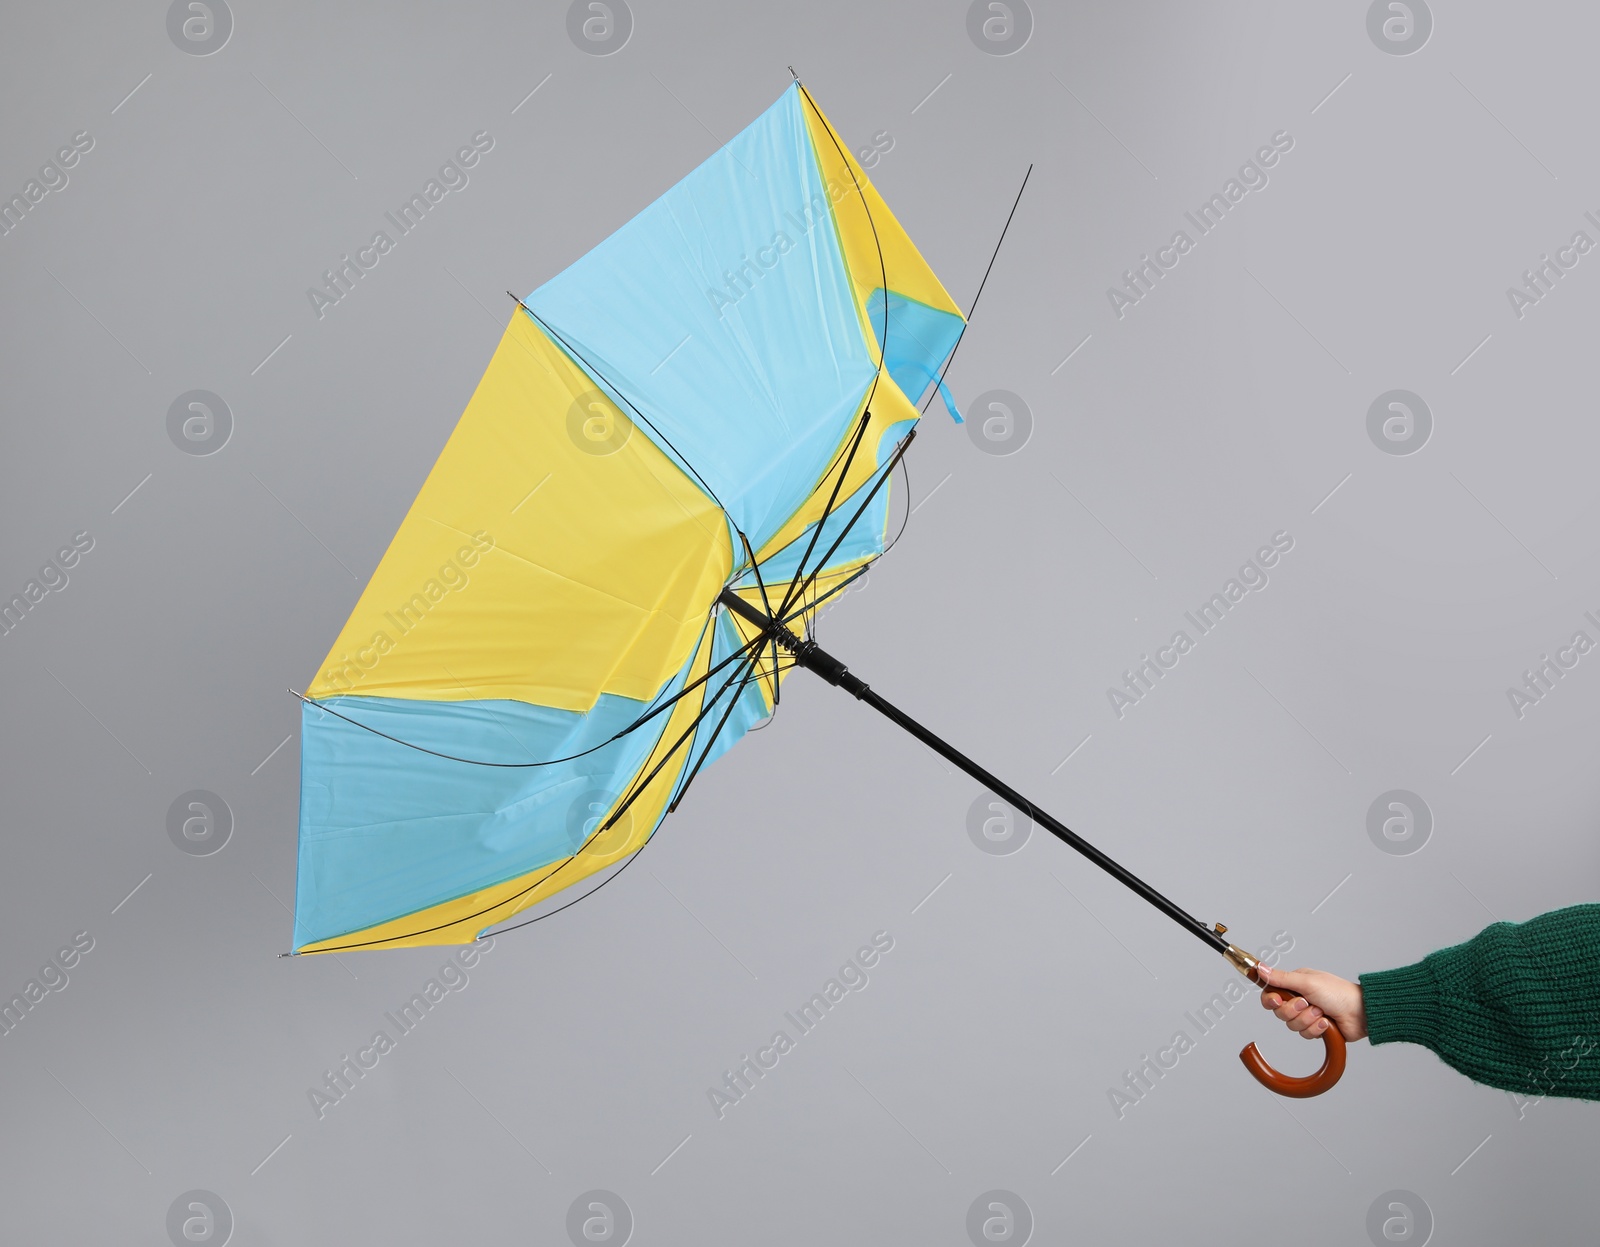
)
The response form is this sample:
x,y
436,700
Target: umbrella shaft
x,y
807,654
1046,820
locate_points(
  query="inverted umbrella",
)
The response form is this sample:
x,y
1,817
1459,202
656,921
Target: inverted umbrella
x,y
679,450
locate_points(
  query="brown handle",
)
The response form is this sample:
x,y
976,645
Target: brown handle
x,y
1285,1084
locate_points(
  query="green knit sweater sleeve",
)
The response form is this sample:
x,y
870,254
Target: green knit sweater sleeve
x,y
1516,1007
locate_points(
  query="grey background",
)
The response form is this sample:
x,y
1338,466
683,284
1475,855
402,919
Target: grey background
x,y
1227,406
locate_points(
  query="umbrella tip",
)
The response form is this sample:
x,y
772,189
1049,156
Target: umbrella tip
x,y
794,75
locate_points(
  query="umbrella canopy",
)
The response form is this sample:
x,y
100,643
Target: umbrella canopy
x,y
712,397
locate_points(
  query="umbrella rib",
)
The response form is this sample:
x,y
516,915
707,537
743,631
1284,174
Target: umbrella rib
x,y
905,475
641,785
411,935
865,567
755,566
717,731
648,423
632,727
632,857
888,471
599,376
967,319
816,532
838,588
551,373
883,272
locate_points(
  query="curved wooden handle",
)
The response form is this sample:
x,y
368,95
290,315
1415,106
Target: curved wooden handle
x,y
1299,1088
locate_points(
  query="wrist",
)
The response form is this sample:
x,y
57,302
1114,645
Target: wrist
x,y
1358,1014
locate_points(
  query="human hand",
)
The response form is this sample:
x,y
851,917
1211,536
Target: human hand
x,y
1324,1000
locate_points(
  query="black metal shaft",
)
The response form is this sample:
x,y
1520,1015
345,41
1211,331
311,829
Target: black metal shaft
x,y
807,654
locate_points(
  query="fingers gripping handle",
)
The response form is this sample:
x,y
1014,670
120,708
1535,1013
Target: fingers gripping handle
x,y
1333,1044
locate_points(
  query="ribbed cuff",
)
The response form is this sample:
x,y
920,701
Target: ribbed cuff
x,y
1402,1005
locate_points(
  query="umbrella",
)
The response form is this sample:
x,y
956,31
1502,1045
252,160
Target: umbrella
x,y
680,449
